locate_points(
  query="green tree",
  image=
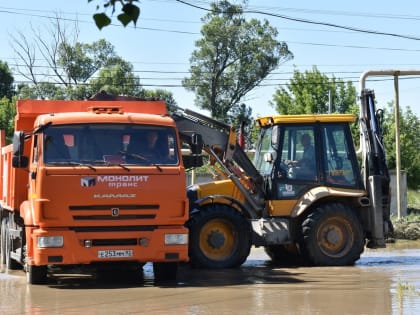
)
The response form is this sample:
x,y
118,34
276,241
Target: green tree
x,y
409,143
310,92
7,114
232,57
69,66
160,95
117,78
6,81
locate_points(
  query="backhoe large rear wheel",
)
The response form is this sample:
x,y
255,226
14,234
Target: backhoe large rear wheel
x,y
332,236
220,237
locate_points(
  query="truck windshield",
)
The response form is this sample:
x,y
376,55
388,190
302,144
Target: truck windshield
x,y
110,144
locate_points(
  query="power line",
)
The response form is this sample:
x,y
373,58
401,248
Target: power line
x,y
354,80
307,21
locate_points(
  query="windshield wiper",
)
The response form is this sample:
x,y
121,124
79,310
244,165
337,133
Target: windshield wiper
x,y
71,163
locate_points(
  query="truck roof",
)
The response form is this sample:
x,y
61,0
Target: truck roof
x,y
89,117
305,118
28,110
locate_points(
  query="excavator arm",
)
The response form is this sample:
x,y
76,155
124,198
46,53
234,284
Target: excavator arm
x,y
374,170
220,142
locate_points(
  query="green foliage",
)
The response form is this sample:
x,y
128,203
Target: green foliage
x,y
409,143
77,70
413,199
81,61
116,78
129,12
7,114
232,57
6,81
310,93
160,95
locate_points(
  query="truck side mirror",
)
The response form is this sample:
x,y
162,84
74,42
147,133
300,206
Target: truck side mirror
x,y
18,143
196,143
191,161
20,161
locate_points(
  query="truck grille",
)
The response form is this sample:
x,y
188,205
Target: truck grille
x,y
84,229
115,242
113,212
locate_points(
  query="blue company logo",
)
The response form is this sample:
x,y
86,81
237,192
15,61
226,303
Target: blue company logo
x,y
88,181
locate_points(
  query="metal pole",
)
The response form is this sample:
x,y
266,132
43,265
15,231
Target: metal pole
x,y
193,176
397,144
329,102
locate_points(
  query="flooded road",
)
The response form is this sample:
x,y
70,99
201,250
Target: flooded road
x,y
385,281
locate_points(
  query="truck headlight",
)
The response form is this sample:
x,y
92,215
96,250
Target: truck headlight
x,y
50,241
176,239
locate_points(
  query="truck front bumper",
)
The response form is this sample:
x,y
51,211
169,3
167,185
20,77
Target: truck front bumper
x,y
56,246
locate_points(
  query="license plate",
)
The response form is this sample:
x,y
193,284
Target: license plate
x,y
117,253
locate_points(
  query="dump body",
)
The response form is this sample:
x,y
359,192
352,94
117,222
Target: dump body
x,y
90,192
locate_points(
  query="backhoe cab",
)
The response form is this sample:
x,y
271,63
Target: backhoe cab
x,y
304,198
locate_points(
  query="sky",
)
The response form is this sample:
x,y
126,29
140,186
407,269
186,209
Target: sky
x,y
340,38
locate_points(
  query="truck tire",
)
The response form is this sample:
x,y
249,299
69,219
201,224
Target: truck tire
x,y
36,274
165,271
11,264
284,255
220,237
332,236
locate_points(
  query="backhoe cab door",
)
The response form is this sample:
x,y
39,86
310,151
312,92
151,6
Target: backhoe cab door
x,y
294,158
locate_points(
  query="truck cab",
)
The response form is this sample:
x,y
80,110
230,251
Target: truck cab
x,y
94,183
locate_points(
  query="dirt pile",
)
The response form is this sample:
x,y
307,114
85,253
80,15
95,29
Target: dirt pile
x,y
407,230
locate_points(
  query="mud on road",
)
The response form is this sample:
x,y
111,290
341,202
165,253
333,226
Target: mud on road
x,y
385,281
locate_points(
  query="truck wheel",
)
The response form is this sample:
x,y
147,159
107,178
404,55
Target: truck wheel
x,y
332,236
165,271
36,274
220,237
11,264
284,255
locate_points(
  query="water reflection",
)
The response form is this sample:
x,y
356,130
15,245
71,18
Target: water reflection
x,y
385,281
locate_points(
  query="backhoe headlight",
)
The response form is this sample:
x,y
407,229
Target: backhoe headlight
x,y
50,241
176,239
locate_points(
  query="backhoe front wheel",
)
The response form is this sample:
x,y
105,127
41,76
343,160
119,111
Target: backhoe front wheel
x,y
220,237
332,236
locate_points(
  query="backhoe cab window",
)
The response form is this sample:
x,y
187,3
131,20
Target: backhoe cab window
x,y
339,168
297,154
266,150
109,144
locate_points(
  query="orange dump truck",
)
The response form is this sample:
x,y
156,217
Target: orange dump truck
x,y
81,187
